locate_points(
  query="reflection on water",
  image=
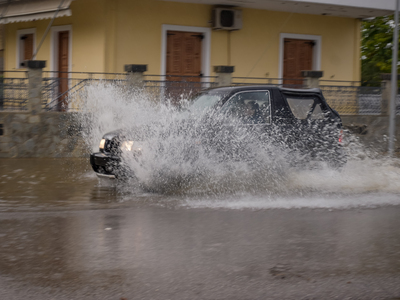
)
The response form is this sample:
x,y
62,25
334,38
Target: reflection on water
x,y
152,252
64,183
78,239
33,183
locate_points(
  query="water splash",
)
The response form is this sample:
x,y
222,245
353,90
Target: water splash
x,y
174,159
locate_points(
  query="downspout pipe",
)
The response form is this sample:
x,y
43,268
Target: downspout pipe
x,y
48,28
5,10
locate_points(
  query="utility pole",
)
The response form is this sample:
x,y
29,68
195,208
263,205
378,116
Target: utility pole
x,y
392,107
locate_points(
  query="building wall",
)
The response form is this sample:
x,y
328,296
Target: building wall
x,y
254,49
107,34
88,38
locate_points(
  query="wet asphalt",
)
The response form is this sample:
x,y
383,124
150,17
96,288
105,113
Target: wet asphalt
x,y
63,236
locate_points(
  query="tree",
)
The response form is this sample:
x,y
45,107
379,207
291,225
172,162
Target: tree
x,y
376,49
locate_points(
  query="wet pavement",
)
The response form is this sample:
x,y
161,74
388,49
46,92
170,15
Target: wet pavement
x,y
65,236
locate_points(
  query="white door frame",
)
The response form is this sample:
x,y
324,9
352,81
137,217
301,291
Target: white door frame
x,y
20,49
205,46
316,60
54,47
54,51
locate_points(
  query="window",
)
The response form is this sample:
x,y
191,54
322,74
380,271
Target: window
x,y
26,45
250,107
303,108
317,114
205,101
300,107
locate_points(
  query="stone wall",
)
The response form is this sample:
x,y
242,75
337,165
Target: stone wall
x,y
46,134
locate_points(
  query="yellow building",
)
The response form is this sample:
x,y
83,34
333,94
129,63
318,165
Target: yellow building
x,y
265,39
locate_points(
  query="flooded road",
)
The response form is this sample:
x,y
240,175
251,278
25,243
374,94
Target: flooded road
x,y
321,235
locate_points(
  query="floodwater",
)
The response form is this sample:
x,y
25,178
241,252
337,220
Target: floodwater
x,y
66,235
233,232
67,184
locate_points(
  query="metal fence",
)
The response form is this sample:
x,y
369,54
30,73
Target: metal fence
x,y
369,100
344,99
356,100
173,87
350,98
157,87
59,87
13,91
347,97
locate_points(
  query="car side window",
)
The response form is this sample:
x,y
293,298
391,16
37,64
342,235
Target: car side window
x,y
250,107
305,107
317,113
300,107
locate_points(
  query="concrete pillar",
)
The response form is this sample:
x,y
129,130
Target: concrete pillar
x,y
135,76
224,75
311,78
35,76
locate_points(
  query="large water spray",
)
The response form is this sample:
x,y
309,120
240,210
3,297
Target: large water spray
x,y
175,158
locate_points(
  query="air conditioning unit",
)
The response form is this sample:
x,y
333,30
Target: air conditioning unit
x,y
227,19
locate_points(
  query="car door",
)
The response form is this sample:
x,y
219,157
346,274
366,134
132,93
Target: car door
x,y
246,116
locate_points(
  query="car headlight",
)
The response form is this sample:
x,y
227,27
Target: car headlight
x,y
102,144
127,145
131,146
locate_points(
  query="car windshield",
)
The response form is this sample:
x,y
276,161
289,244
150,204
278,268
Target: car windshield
x,y
205,101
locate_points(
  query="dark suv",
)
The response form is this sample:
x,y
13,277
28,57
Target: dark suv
x,y
296,122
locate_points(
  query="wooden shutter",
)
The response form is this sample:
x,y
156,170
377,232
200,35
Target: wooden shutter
x,y
297,57
183,53
174,53
183,59
192,54
28,46
63,44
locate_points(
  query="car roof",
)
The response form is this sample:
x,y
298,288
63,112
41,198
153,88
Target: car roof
x,y
270,87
